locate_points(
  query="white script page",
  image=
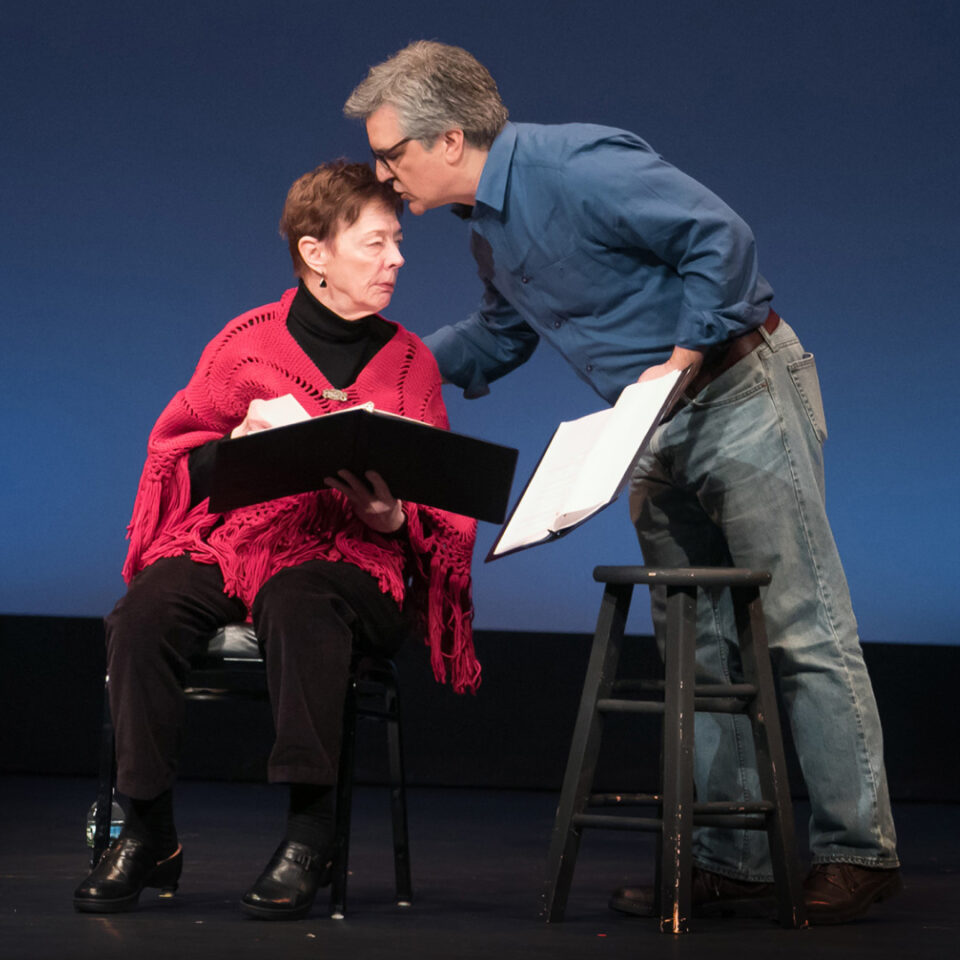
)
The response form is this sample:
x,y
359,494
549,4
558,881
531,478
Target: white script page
x,y
615,447
536,514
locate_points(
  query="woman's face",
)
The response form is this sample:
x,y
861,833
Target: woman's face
x,y
362,263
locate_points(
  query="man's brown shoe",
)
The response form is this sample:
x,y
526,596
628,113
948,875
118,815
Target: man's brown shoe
x,y
838,892
712,895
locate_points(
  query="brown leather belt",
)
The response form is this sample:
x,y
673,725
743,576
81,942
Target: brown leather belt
x,y
724,356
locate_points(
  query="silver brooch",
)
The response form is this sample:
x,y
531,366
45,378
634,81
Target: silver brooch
x,y
334,395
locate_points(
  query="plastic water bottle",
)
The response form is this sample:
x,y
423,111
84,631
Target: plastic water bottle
x,y
116,821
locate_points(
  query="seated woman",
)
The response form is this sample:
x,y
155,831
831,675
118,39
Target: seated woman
x,y
319,574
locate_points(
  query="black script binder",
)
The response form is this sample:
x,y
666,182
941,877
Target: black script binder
x,y
420,463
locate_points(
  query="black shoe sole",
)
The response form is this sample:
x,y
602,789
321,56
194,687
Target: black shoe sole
x,y
120,905
107,906
276,913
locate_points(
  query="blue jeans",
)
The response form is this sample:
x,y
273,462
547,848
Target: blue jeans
x,y
736,478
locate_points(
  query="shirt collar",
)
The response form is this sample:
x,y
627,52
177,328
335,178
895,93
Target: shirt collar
x,y
492,188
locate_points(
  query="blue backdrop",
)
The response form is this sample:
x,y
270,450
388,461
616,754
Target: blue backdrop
x,y
146,149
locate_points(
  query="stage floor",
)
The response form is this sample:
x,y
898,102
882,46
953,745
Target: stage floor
x,y
478,860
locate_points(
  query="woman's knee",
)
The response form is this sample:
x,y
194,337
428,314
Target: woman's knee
x,y
293,589
155,612
137,629
296,602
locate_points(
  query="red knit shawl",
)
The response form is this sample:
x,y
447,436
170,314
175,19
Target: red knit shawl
x,y
255,356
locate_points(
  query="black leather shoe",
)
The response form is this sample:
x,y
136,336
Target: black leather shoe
x,y
289,882
126,867
712,894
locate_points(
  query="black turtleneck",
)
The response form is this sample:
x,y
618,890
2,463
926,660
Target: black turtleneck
x,y
339,348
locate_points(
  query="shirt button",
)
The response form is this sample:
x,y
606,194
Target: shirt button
x,y
589,368
556,324
524,279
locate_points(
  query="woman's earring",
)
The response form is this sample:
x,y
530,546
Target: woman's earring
x,y
323,280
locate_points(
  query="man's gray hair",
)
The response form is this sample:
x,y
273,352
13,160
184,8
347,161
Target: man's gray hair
x,y
434,88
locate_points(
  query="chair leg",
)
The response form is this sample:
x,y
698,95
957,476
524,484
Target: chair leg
x,y
108,776
341,845
398,792
771,761
676,864
584,749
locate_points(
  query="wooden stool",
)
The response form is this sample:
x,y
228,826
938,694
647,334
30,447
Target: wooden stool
x,y
676,698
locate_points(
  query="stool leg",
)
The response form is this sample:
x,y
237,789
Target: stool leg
x,y
584,748
676,863
108,777
341,843
398,794
771,761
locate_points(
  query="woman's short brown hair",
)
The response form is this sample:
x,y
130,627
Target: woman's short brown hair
x,y
325,200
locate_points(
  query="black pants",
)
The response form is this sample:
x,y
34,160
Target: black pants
x,y
308,620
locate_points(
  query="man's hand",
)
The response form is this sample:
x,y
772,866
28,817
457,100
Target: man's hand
x,y
679,360
379,510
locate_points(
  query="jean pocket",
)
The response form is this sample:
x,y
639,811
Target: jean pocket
x,y
745,379
803,372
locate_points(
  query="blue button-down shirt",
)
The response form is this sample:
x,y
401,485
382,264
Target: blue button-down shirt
x,y
588,239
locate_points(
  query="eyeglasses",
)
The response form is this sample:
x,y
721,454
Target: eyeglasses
x,y
391,154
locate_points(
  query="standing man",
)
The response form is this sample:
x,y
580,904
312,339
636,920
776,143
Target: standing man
x,y
586,238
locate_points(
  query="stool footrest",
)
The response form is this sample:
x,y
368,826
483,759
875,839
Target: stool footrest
x,y
745,690
607,822
701,704
734,818
712,808
623,799
682,576
610,705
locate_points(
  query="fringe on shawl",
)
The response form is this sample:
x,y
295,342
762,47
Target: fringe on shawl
x,y
258,542
163,492
441,597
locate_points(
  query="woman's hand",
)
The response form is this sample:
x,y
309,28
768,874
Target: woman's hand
x,y
379,510
266,414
